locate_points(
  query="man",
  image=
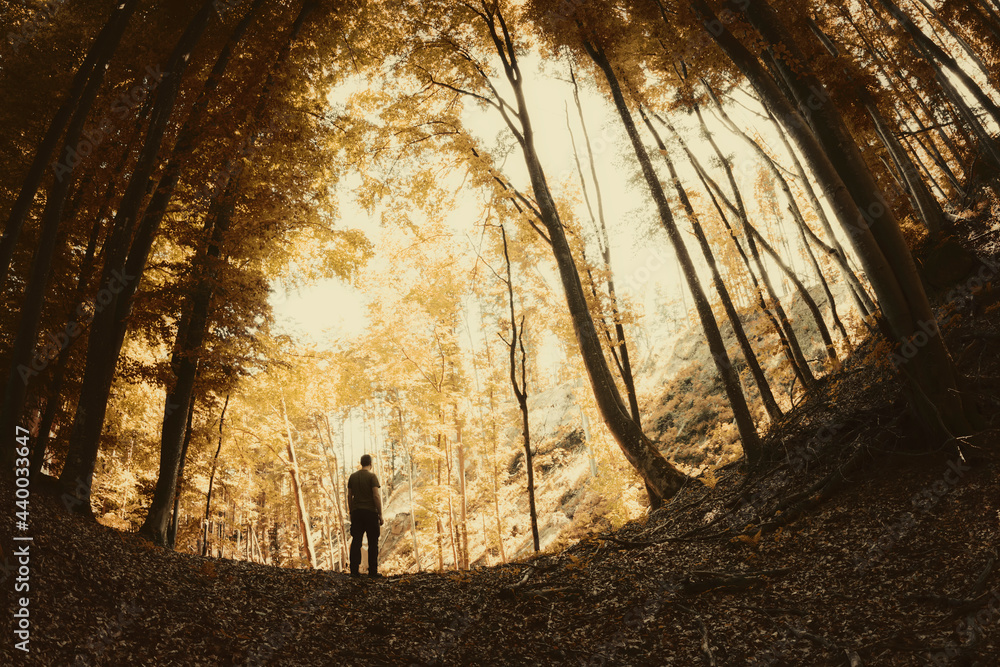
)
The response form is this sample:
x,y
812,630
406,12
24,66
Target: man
x,y
364,504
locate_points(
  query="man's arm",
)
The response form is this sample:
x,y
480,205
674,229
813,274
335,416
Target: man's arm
x,y
349,508
378,503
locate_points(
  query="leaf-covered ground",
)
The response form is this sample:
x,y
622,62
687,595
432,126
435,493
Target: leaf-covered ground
x,y
858,547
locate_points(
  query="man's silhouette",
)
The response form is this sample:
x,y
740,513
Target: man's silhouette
x,y
364,503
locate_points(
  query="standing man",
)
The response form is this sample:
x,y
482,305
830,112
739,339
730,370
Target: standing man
x,y
364,504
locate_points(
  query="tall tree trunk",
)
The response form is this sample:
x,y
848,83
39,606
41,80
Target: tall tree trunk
x,y
741,214
711,187
88,77
663,479
463,502
191,333
521,392
865,305
452,525
174,516
730,379
440,525
330,455
619,349
197,311
934,51
409,490
33,298
793,207
55,386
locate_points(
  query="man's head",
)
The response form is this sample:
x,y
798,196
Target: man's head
x,y
366,461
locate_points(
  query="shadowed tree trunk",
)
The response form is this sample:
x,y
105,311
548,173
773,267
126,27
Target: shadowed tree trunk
x,y
174,517
740,211
211,479
931,380
300,501
330,456
835,250
77,104
193,328
711,187
793,208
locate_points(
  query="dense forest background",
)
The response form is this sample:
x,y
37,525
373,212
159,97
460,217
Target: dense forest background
x,y
584,254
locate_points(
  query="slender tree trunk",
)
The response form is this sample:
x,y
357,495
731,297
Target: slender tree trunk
x,y
410,482
793,208
521,392
935,52
801,289
174,516
440,525
620,349
330,455
711,187
767,398
861,299
730,379
452,525
741,214
932,382
211,479
300,501
463,506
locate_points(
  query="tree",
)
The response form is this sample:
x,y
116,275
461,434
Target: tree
x,y
520,387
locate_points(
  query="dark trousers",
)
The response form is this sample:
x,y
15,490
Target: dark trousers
x,y
362,522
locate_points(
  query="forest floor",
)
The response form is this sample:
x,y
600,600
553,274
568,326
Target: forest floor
x,y
861,546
